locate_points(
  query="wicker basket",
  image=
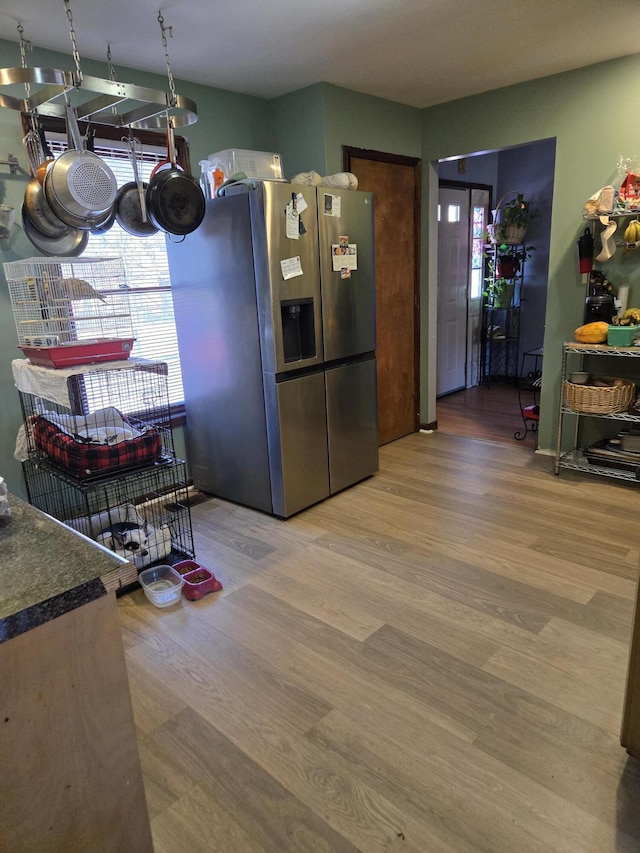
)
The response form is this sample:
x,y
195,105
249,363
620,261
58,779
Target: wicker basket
x,y
598,400
499,232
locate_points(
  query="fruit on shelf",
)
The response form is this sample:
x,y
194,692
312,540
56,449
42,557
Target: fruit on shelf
x,y
592,333
631,236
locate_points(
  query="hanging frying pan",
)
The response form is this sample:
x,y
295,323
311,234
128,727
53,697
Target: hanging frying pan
x,y
175,201
47,156
70,245
79,185
35,201
131,203
40,212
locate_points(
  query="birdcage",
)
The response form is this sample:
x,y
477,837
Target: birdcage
x,y
70,310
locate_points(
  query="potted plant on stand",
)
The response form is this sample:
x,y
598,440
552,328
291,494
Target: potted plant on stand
x,y
504,262
511,220
498,292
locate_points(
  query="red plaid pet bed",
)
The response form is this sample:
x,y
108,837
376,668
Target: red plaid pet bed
x,y
83,459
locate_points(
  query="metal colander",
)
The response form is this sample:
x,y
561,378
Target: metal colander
x,y
91,183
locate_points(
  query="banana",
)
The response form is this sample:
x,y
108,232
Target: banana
x,y
632,315
632,233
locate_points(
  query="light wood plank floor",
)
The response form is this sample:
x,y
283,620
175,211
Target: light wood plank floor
x,y
433,660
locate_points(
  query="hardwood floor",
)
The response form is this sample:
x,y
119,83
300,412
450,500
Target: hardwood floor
x,y
491,414
433,660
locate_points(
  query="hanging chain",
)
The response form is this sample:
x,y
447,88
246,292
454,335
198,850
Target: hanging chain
x,y
112,70
26,45
74,42
164,30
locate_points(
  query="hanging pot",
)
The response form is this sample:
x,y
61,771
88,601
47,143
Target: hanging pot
x,y
47,156
131,203
70,245
175,201
35,201
40,212
79,185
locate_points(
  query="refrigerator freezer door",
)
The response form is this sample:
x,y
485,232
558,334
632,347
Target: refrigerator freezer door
x,y
297,431
287,276
348,303
214,299
352,422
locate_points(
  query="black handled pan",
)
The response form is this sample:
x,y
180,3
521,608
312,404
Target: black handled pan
x,y
175,201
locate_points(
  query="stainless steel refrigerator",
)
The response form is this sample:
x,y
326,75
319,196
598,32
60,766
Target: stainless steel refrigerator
x,y
274,298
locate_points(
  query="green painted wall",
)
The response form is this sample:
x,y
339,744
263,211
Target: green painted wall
x,y
591,115
362,121
298,121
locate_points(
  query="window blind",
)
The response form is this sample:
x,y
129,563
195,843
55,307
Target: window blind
x,y
146,266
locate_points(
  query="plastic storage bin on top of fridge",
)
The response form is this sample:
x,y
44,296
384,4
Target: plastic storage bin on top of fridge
x,y
261,165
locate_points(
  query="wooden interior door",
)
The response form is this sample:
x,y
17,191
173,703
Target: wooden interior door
x,y
395,182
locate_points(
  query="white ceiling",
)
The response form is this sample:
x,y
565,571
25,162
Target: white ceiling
x,y
416,52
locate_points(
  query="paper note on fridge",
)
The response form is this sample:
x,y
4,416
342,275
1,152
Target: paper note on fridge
x,y
332,204
344,257
291,267
292,216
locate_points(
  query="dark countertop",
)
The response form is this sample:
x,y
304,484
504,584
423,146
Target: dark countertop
x,y
46,569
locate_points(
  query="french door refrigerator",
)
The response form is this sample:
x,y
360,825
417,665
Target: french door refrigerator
x,y
274,298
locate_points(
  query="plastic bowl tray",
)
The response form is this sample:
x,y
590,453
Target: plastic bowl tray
x,y
162,585
69,355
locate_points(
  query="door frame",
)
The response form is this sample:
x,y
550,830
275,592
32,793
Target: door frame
x,y
416,164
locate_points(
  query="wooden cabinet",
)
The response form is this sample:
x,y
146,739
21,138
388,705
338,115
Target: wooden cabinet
x,y
630,733
71,778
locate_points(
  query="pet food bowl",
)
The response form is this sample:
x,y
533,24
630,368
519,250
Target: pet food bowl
x,y
185,566
579,378
198,580
162,585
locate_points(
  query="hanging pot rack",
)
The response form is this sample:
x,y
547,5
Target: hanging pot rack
x,y
94,99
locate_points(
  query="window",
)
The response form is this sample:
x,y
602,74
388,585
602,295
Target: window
x,y
477,251
145,258
453,213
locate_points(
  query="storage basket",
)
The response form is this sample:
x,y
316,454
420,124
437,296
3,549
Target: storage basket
x,y
597,400
501,233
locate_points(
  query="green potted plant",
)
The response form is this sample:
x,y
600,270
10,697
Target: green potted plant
x,y
499,292
503,264
511,220
516,216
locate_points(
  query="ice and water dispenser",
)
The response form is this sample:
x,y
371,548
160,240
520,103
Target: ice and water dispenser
x,y
298,329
